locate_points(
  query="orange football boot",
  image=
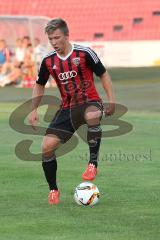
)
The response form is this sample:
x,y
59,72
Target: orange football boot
x,y
53,197
90,172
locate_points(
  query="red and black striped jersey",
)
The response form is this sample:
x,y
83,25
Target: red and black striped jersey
x,y
73,74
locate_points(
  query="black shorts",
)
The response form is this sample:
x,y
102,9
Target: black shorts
x,y
67,121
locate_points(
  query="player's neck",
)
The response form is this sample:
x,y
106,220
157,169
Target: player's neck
x,y
67,50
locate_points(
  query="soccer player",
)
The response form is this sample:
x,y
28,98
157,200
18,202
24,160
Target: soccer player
x,y
72,66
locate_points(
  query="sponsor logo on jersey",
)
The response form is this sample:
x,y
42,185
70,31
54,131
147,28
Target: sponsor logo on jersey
x,y
63,77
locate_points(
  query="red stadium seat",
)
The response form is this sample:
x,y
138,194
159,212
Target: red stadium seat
x,y
85,18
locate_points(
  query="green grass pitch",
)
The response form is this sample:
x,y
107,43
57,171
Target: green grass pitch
x,y
130,197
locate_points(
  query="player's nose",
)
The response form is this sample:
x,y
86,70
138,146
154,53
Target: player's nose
x,y
53,43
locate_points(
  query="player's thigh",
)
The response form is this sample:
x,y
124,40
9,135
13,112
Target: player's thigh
x,y
93,115
50,143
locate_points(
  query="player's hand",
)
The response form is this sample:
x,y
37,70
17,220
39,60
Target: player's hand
x,y
33,119
110,109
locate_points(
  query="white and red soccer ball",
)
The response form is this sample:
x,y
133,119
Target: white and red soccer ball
x,y
86,194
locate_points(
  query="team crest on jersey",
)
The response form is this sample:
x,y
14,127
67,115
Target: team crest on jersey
x,y
76,61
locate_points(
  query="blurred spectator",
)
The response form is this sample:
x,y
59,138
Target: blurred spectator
x,y
29,67
4,52
39,51
21,63
11,77
26,41
24,65
19,53
4,57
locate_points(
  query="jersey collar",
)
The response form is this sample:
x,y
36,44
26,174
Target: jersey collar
x,y
69,54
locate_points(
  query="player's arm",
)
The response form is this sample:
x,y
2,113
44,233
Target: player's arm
x,y
107,85
38,92
99,69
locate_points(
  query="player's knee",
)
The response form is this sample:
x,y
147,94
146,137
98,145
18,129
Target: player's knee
x,y
45,148
93,118
49,145
93,115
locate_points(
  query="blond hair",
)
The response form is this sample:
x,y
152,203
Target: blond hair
x,y
57,23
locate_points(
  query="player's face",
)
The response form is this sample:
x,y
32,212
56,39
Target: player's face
x,y
58,41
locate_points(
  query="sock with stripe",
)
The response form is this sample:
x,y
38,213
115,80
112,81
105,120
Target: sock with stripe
x,y
94,135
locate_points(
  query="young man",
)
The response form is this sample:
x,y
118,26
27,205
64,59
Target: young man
x,y
72,66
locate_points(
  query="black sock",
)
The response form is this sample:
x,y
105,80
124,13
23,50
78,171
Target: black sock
x,y
50,169
94,139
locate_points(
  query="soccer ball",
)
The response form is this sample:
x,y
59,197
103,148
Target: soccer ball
x,y
86,194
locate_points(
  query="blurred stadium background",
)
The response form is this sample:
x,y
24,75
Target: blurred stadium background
x,y
126,36
117,30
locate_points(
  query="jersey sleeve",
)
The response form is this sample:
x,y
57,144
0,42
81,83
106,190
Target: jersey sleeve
x,y
43,74
95,63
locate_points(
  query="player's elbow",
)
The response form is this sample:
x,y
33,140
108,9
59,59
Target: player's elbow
x,y
105,77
